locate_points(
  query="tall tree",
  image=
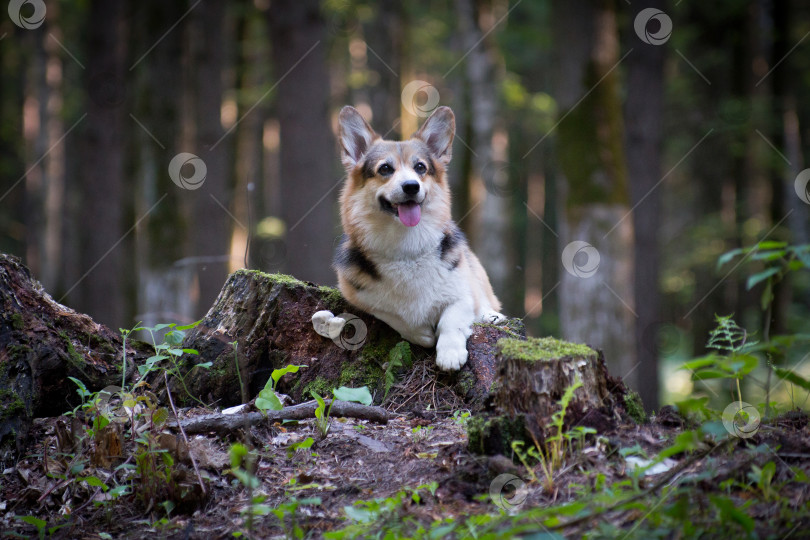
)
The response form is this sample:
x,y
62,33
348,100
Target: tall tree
x,y
211,224
643,115
102,258
596,293
482,73
308,166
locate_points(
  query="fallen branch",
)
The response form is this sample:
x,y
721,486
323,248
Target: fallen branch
x,y
226,423
182,432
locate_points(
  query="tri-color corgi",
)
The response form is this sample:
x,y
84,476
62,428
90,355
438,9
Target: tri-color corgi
x,y
402,258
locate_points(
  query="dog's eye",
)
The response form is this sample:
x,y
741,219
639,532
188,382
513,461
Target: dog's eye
x,y
420,168
385,169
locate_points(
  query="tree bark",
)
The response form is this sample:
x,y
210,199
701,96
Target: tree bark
x,y
309,177
102,259
42,343
596,294
269,317
643,115
489,173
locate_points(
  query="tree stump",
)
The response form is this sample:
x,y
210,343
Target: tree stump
x,y
532,378
42,343
268,316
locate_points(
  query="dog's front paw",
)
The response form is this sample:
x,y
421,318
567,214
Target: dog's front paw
x,y
327,325
492,317
451,354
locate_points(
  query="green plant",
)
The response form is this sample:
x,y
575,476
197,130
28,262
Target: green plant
x,y
763,478
267,398
778,259
732,361
322,412
243,465
556,445
420,433
460,417
286,514
169,350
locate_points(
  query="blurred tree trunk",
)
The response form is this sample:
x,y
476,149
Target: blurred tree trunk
x,y
385,38
787,136
210,232
163,289
489,175
644,130
103,260
252,51
596,294
308,163
13,74
35,115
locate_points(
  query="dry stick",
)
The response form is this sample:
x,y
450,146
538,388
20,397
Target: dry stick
x,y
190,453
226,423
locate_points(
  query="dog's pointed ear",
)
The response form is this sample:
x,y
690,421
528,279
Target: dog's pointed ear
x,y
438,132
356,136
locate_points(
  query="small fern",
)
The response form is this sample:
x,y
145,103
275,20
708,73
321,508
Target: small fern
x,y
728,336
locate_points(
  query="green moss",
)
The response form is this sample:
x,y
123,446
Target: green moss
x,y
320,385
494,435
18,352
17,321
634,407
282,279
534,349
331,297
12,404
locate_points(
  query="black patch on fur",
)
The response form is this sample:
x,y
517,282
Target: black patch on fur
x,y
454,264
347,256
431,167
452,238
367,170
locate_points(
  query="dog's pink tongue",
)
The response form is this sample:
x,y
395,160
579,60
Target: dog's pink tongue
x,y
409,214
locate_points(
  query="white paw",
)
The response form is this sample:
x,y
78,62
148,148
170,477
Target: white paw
x,y
425,338
327,325
451,354
492,317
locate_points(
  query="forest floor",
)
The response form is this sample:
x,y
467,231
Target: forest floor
x,y
414,477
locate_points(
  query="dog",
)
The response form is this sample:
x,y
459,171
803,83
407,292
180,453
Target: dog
x,y
402,258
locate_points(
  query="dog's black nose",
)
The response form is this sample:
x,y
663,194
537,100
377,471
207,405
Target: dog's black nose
x,y
410,187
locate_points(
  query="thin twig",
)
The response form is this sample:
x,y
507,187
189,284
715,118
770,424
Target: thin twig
x,y
190,453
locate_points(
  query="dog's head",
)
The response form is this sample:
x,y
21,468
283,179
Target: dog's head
x,y
398,183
